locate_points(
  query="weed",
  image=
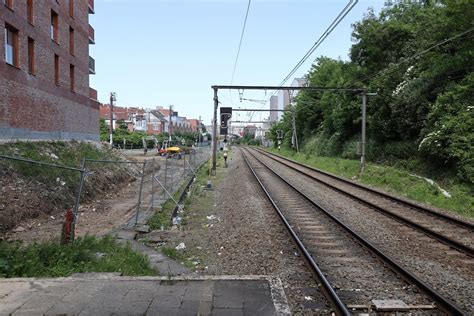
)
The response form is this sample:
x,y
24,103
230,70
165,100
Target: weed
x,y
87,254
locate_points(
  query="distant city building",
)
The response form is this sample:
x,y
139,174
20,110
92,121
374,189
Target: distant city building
x,y
44,71
283,100
134,118
273,106
285,97
298,82
152,121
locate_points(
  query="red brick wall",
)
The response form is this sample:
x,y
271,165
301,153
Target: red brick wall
x,y
33,106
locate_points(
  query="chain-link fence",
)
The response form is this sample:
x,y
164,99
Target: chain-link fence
x,y
62,192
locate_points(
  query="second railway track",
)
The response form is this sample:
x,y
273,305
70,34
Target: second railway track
x,y
355,269
454,232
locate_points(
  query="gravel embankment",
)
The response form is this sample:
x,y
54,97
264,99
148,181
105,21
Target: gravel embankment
x,y
245,237
448,271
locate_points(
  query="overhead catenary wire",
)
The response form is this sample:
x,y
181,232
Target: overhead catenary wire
x,y
320,40
240,42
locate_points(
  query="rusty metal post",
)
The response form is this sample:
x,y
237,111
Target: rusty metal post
x,y
140,193
166,175
78,198
153,185
214,133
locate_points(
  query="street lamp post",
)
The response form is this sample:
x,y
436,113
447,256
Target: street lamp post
x,y
113,97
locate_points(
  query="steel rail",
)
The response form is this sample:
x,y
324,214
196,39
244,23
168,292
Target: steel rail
x,y
444,303
422,208
327,288
440,237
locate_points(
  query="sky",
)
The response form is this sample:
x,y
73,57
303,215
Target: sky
x,y
170,52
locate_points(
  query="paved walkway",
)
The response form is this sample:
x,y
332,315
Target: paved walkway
x,y
108,294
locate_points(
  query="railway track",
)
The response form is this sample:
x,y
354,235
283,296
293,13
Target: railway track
x,y
351,270
455,233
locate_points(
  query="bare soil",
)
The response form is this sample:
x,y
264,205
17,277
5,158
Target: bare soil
x,y
34,212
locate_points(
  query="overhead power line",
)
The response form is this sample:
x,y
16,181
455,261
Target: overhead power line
x,y
240,43
321,39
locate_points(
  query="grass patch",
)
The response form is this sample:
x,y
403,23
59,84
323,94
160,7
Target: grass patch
x,y
396,181
87,254
178,256
162,218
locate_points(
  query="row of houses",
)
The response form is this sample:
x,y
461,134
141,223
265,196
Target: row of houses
x,y
151,121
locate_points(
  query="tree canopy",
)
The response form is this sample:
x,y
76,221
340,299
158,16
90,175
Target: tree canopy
x,y
419,58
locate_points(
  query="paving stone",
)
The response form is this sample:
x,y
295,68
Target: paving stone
x,y
125,234
199,291
28,312
189,308
227,312
228,294
142,229
166,301
139,295
260,295
67,309
134,307
259,308
43,302
165,311
205,308
177,288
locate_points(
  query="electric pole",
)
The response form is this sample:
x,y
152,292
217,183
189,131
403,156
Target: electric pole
x,y
363,142
214,132
295,136
200,132
170,128
113,97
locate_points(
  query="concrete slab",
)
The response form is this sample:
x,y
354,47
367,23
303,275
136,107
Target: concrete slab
x,y
108,294
390,305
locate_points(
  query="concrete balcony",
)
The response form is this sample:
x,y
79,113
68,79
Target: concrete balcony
x,y
91,7
92,94
91,66
91,35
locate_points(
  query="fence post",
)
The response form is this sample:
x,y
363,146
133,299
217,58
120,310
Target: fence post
x,y
78,198
171,177
166,175
140,193
153,185
184,163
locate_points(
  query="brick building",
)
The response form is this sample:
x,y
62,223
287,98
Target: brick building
x,y
44,70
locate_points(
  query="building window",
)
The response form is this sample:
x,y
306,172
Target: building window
x,y
56,69
11,46
30,11
31,56
71,8
8,3
71,41
54,26
72,81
